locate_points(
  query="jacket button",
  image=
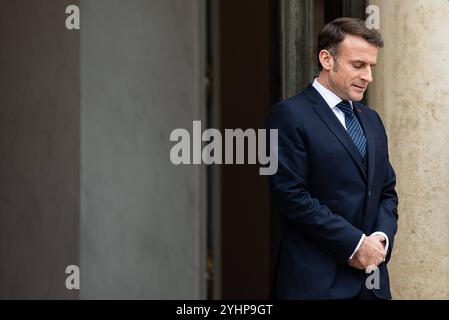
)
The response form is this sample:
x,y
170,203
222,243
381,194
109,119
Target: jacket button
x,y
369,193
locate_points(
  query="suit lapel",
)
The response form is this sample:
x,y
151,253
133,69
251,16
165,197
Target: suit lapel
x,y
326,114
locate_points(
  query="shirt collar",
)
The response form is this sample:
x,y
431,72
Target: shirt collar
x,y
331,98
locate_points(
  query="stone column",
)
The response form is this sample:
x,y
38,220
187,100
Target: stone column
x,y
410,92
297,45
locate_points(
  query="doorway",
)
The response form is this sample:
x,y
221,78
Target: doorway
x,y
259,52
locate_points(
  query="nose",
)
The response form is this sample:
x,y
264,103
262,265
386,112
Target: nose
x,y
367,75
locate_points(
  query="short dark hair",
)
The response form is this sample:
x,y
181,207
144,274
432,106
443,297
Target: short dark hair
x,y
334,32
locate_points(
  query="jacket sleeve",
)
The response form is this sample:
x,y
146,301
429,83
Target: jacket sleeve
x,y
291,195
387,217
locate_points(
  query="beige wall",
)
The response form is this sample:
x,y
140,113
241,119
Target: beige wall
x,y
411,94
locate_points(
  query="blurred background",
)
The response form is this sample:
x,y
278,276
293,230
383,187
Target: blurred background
x,y
85,122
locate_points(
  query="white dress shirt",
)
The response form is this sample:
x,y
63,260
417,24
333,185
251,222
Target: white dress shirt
x,y
332,101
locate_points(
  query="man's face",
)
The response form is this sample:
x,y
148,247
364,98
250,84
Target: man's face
x,y
350,73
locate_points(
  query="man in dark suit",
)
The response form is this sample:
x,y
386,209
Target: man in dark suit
x,y
334,189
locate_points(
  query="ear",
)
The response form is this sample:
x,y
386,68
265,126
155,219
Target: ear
x,y
326,60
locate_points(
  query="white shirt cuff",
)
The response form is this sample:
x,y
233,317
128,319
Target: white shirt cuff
x,y
358,246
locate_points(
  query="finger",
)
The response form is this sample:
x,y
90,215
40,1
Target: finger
x,y
380,249
363,262
379,257
378,244
370,268
380,237
359,267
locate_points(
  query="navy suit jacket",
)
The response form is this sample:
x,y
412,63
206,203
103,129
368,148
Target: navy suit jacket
x,y
326,198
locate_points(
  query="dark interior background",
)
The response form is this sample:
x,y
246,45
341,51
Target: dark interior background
x,y
249,84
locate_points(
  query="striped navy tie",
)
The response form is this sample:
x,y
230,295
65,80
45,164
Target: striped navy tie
x,y
353,127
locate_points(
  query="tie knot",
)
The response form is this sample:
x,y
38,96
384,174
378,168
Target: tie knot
x,y
345,107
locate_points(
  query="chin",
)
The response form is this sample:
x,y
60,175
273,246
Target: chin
x,y
356,97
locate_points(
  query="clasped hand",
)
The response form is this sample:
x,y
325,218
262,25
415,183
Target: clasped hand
x,y
370,254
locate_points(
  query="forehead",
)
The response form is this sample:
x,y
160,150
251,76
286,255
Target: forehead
x,y
357,48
